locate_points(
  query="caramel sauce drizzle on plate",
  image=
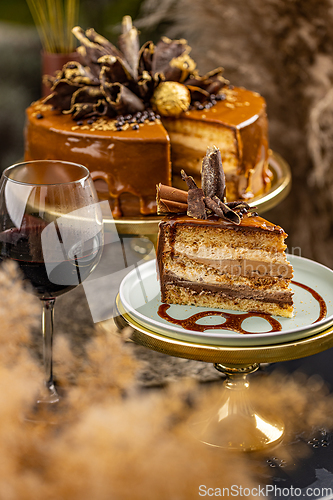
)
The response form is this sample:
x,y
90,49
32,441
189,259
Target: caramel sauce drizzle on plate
x,y
322,303
234,321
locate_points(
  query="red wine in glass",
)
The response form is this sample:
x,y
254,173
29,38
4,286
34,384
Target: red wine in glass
x,y
51,225
53,278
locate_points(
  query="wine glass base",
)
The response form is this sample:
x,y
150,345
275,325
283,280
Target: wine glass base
x,y
48,408
50,397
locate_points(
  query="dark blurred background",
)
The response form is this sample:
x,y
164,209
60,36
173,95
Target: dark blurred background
x,y
282,49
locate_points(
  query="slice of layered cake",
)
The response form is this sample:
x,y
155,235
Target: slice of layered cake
x,y
220,255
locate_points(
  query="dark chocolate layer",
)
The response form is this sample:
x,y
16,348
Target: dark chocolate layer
x,y
242,292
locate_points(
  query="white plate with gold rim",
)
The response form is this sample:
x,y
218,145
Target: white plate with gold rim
x,y
139,294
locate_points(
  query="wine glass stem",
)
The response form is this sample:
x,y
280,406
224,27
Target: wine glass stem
x,y
47,330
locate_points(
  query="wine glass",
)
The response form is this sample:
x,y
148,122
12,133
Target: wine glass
x,y
52,227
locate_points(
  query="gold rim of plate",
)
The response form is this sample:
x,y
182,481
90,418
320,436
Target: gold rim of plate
x,y
230,355
280,188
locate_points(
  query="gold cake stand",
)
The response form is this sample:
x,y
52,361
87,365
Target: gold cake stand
x,y
234,423
280,187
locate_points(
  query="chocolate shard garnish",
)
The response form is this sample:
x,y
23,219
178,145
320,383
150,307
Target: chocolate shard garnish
x,y
67,81
172,60
188,179
228,212
212,174
195,204
121,99
222,210
95,41
212,83
113,70
239,205
87,101
62,96
129,45
93,46
146,56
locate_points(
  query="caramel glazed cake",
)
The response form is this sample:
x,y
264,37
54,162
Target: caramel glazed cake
x,y
220,255
136,116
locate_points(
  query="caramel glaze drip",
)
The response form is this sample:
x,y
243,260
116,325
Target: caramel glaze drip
x,y
126,165
234,321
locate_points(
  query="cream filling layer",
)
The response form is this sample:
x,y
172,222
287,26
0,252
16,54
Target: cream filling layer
x,y
197,144
201,274
209,253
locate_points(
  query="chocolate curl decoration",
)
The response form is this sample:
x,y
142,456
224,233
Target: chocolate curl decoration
x,y
146,54
210,83
239,205
80,110
170,200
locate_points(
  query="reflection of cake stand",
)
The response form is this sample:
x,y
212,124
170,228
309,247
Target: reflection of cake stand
x,y
280,187
234,423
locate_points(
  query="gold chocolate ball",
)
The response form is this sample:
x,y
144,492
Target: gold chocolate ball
x,y
171,98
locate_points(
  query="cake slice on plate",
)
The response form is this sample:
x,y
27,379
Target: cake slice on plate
x,y
218,254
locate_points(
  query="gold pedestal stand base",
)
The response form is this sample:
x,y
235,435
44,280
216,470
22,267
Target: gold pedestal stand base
x,y
234,423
